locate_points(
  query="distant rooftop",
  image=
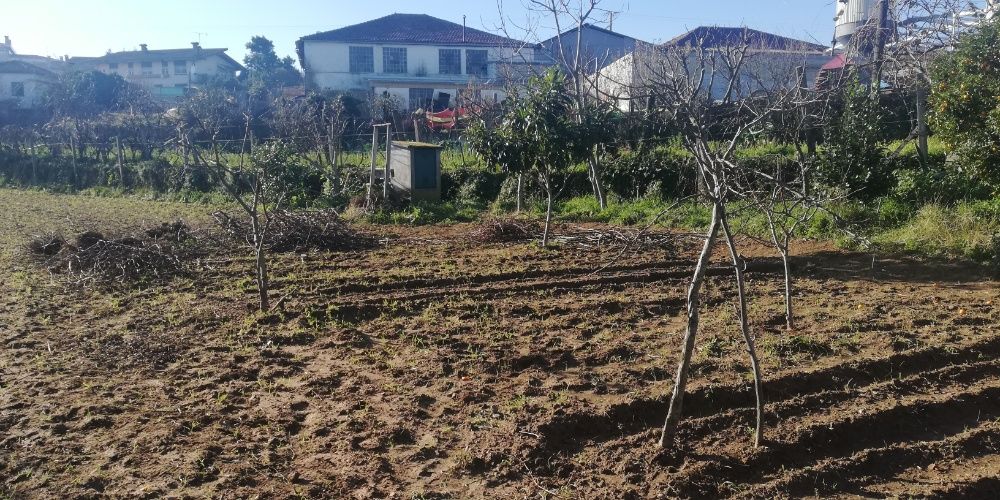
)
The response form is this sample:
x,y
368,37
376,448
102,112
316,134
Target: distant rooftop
x,y
412,29
716,36
195,52
23,68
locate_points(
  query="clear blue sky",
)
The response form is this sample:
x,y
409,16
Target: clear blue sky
x,y
91,27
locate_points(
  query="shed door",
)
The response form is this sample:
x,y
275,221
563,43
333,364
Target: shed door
x,y
425,169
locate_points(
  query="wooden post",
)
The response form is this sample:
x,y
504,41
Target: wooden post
x,y
334,160
416,130
371,174
34,163
388,162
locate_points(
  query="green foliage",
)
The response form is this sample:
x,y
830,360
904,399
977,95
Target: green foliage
x,y
284,177
970,230
852,158
639,212
266,72
663,171
964,108
538,132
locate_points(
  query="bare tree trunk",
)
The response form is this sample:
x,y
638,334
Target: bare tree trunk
x,y
547,178
693,314
121,162
738,265
263,283
789,317
595,180
922,132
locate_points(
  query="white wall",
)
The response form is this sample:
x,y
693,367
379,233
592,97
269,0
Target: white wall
x,y
770,69
328,65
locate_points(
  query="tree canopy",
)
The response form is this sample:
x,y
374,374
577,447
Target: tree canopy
x,y
266,71
965,111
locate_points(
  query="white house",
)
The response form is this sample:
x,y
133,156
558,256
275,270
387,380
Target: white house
x,y
423,61
772,60
25,78
166,74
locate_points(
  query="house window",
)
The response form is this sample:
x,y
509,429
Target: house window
x,y
476,62
165,68
147,68
180,68
362,59
421,98
113,67
450,61
130,66
17,89
394,60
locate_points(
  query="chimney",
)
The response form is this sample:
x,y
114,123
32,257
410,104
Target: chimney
x,y
144,47
195,45
6,40
463,28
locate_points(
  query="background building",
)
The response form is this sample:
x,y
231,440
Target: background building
x,y
25,78
166,74
423,61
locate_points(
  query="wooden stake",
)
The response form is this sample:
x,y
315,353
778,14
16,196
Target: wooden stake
x,y
371,175
388,160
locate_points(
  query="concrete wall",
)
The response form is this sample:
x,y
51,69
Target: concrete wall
x,y
34,88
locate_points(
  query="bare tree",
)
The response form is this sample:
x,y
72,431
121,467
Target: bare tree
x,y
718,95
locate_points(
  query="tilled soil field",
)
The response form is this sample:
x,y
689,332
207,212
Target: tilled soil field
x,y
439,366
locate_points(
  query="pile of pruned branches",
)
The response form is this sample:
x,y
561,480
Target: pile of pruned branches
x,y
590,237
93,259
299,231
506,230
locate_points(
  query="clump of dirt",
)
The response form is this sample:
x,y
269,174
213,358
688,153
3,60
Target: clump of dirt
x,y
299,231
93,258
506,230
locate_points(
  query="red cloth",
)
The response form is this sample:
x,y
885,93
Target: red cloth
x,y
447,119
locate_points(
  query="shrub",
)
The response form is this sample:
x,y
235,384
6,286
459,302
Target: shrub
x,y
968,230
664,171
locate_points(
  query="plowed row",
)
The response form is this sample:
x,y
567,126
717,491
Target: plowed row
x,y
438,367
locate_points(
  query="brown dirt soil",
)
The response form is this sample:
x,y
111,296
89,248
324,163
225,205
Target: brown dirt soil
x,y
436,366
